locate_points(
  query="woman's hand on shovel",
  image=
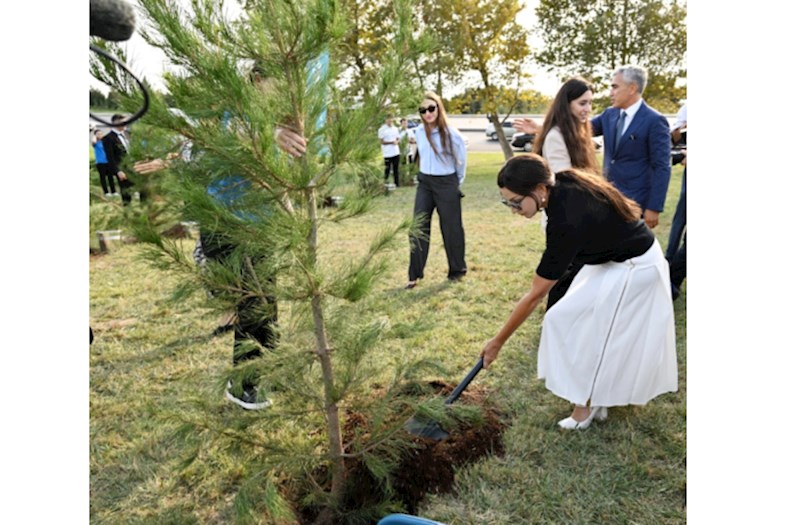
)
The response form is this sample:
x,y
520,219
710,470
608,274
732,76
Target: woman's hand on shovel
x,y
490,351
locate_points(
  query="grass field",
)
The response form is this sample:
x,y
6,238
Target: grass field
x,y
152,356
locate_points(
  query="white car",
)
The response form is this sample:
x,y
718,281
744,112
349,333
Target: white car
x,y
507,129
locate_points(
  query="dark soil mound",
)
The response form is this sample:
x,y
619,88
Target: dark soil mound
x,y
429,466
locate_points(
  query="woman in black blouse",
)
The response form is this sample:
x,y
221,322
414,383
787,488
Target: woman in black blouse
x,y
610,341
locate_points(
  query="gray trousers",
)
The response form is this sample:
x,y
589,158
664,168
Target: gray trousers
x,y
439,192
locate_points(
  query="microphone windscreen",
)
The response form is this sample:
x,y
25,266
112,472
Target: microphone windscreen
x,y
111,19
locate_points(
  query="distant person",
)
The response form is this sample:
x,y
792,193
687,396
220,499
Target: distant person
x,y
610,341
115,144
411,145
442,168
389,136
636,142
101,164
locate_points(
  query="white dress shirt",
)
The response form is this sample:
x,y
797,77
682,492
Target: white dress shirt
x,y
630,111
431,164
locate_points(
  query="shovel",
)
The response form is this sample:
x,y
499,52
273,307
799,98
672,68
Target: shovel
x,y
432,429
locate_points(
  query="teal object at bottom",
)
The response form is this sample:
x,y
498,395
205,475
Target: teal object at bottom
x,y
405,519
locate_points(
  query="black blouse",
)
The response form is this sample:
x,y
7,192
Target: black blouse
x,y
582,229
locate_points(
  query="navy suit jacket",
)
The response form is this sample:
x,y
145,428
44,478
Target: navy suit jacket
x,y
639,166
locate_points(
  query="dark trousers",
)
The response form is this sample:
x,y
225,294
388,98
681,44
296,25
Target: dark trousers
x,y
678,223
251,323
392,163
677,266
125,189
106,178
440,193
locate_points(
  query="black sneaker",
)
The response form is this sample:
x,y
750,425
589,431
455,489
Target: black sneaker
x,y
249,398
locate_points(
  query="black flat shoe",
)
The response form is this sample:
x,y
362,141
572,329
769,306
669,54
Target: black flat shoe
x,y
410,285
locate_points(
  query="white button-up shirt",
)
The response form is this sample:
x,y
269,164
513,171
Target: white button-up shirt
x,y
431,164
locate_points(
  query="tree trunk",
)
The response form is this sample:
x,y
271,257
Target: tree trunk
x,y
501,136
336,451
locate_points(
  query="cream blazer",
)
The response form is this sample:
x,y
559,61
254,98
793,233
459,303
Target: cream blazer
x,y
554,151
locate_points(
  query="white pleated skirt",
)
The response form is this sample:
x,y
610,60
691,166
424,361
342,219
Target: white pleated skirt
x,y
611,338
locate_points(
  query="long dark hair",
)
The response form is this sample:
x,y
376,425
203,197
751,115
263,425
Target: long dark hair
x,y
577,135
523,173
441,124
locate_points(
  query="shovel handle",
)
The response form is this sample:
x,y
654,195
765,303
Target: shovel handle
x,y
465,382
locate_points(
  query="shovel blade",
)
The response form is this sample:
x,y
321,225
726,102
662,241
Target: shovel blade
x,y
426,429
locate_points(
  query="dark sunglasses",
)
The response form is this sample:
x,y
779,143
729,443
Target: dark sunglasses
x,y
430,109
517,205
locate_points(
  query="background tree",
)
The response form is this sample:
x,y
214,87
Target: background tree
x,y
440,63
230,122
594,37
526,101
97,99
366,42
488,40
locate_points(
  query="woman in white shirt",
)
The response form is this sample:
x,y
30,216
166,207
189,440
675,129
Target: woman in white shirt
x,y
565,142
442,167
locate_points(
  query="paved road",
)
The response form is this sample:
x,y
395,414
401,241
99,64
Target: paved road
x,y
478,141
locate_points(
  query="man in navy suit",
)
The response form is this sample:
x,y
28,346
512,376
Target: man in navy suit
x,y
636,142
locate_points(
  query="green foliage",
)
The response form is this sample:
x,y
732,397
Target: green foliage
x,y
97,100
593,37
525,101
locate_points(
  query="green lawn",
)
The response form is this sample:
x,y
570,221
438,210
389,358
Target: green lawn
x,y
152,356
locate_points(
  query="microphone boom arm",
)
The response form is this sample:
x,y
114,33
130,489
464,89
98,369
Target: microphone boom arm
x,y
136,116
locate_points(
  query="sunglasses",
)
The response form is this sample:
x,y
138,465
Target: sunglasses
x,y
516,204
430,109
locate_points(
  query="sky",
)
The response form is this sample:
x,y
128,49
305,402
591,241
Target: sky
x,y
151,62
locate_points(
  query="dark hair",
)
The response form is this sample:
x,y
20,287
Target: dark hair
x,y
523,173
117,117
577,135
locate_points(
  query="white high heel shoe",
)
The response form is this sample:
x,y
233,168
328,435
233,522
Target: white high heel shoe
x,y
569,423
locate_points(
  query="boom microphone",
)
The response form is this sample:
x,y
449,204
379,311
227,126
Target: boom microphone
x,y
111,19
114,20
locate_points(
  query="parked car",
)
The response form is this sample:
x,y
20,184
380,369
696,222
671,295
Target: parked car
x,y
413,122
523,141
507,129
